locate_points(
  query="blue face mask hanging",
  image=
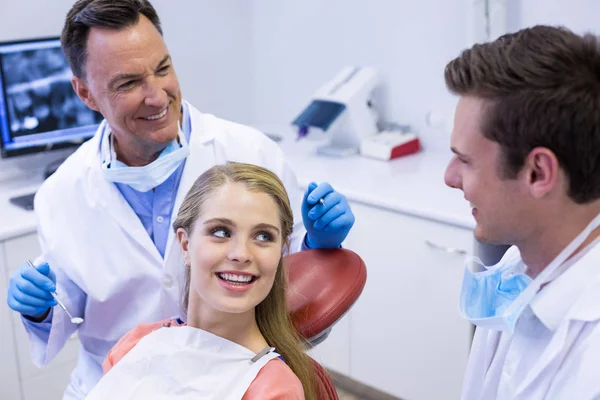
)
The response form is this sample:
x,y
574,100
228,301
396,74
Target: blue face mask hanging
x,y
149,176
494,297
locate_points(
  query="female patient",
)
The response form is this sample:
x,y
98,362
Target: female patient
x,y
233,227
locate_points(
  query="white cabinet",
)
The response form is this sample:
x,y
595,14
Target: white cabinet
x,y
334,352
20,249
50,381
9,378
47,386
406,335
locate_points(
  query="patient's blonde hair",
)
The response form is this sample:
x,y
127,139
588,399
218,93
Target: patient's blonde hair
x,y
272,316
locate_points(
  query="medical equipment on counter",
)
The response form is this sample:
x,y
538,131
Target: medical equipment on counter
x,y
75,320
344,108
389,144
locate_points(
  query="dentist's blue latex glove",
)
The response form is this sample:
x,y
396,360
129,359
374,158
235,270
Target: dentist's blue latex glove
x,y
327,224
29,290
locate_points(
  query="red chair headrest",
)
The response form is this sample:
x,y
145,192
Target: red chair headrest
x,y
323,286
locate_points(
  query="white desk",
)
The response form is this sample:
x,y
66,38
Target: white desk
x,y
413,184
15,221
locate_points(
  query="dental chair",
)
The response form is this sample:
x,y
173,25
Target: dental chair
x,y
323,285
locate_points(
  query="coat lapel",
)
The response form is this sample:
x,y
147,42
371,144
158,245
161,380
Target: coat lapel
x,y
565,337
106,195
200,159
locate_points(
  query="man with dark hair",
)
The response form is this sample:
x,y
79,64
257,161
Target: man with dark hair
x,y
104,216
526,140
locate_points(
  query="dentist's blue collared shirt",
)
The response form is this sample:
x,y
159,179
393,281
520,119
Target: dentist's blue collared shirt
x,y
154,207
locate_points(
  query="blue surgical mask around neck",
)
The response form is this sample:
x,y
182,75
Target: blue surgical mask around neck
x,y
495,297
149,176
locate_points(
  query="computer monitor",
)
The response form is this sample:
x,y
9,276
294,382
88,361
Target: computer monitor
x,y
39,111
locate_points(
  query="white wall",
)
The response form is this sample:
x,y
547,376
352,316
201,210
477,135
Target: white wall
x,y
211,45
579,15
210,41
32,18
301,44
259,61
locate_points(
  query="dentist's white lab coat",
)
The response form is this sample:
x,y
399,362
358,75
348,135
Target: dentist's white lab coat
x,y
554,353
108,269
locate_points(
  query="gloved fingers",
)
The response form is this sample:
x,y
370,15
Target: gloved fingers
x,y
25,304
327,218
318,192
343,222
330,201
44,269
38,278
311,186
25,309
29,289
52,276
31,301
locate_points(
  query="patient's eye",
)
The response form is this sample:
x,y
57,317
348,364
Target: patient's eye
x,y
220,232
264,237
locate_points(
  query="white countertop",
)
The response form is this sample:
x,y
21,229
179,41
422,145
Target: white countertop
x,y
411,184
16,221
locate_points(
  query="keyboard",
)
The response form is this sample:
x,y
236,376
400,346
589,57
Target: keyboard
x,y
25,201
